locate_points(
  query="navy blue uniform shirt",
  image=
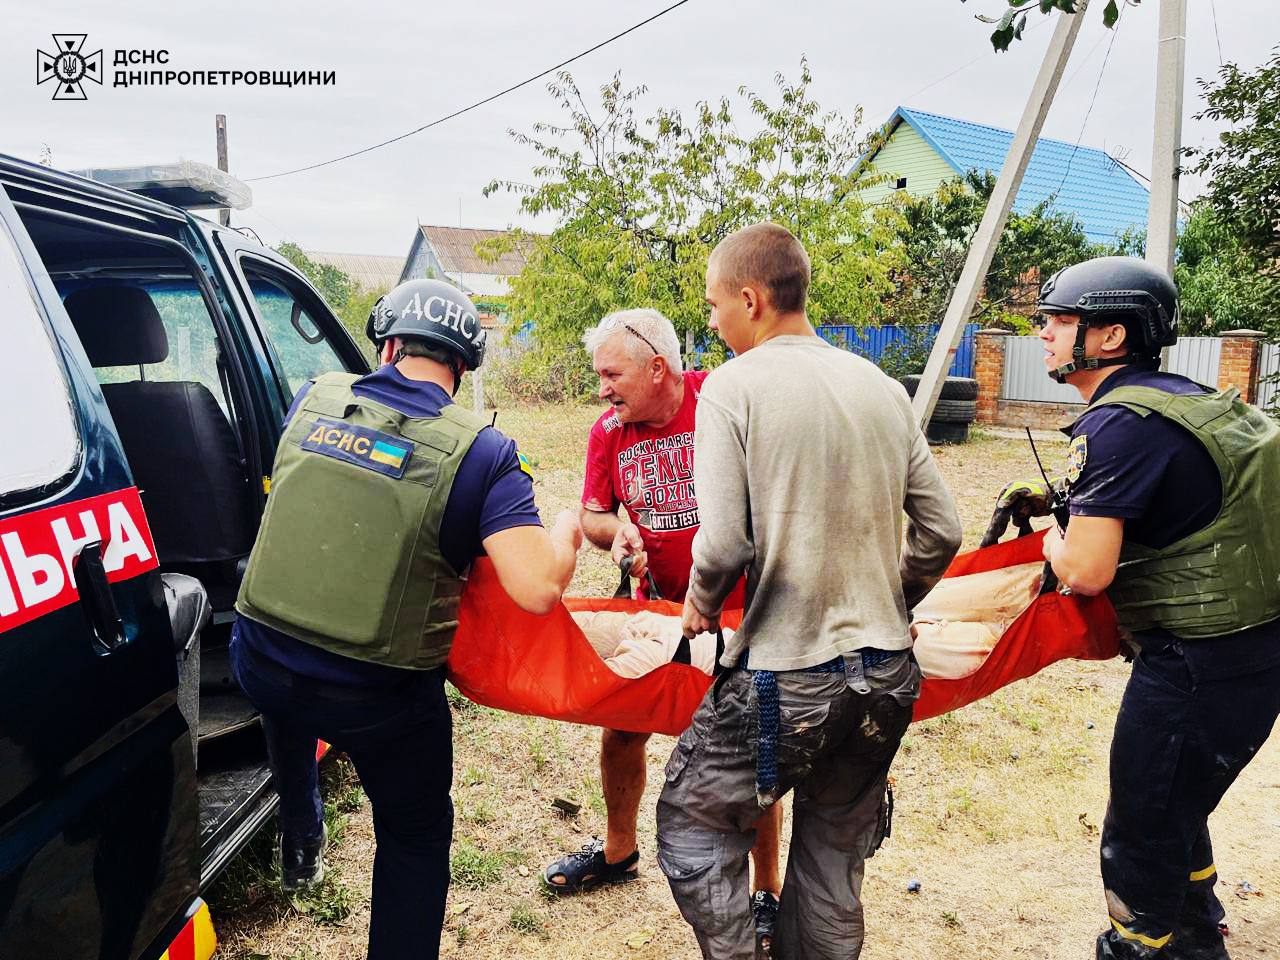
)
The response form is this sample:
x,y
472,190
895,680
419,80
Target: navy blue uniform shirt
x,y
1157,477
491,492
1148,471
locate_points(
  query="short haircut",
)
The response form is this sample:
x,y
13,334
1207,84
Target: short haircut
x,y
645,332
412,346
765,255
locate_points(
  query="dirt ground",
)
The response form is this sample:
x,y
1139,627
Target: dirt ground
x,y
998,807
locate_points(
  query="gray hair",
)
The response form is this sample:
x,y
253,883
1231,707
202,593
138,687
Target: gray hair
x,y
645,332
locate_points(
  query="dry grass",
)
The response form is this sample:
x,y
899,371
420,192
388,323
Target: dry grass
x,y
998,805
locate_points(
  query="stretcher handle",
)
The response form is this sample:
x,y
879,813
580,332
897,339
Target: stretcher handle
x,y
624,585
684,653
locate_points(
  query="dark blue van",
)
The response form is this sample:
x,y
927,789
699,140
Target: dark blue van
x,y
147,358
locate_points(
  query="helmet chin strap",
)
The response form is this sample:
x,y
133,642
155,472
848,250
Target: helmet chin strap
x,y
1080,362
458,371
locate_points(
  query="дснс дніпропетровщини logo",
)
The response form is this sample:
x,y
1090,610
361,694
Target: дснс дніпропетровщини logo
x,y
69,67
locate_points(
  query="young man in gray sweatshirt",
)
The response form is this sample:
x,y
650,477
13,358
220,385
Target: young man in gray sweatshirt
x,y
808,456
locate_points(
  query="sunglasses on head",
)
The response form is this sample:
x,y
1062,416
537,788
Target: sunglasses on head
x,y
611,324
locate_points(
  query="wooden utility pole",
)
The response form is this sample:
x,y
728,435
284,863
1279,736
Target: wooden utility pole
x,y
220,123
983,247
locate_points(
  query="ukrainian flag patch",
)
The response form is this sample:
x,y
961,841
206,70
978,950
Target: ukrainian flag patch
x,y
524,464
371,449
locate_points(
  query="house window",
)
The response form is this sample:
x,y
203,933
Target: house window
x,y
902,183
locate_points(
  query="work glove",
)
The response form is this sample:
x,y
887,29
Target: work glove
x,y
1021,500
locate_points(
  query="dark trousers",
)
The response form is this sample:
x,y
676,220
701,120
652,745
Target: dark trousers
x,y
1192,717
837,735
400,739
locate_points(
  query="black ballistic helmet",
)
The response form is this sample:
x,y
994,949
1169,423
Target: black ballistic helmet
x,y
433,311
1122,290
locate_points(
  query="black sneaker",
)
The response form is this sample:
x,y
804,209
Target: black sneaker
x,y
302,865
764,907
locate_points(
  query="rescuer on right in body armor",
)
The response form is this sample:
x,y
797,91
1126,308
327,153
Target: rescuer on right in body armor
x,y
1174,514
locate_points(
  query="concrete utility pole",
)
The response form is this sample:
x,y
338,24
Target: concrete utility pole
x,y
220,123
1166,143
1166,147
983,248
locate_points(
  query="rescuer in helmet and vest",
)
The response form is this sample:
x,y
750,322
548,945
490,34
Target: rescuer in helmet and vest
x,y
383,492
1173,513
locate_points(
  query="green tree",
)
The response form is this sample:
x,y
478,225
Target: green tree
x,y
335,286
1220,285
936,232
640,203
1242,169
1233,257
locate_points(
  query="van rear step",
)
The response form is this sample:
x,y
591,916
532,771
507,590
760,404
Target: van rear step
x,y
224,713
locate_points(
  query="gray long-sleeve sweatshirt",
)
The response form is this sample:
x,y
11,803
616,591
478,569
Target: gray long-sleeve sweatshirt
x,y
807,458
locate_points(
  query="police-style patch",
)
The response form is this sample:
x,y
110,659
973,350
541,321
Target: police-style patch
x,y
371,449
524,464
1076,454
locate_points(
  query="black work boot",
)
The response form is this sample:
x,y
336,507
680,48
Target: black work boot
x,y
1197,943
302,864
1112,946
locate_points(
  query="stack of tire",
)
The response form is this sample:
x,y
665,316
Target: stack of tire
x,y
956,408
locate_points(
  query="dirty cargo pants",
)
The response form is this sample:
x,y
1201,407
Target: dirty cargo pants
x,y
1193,715
837,734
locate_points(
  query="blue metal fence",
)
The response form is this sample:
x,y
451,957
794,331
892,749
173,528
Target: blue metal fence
x,y
874,341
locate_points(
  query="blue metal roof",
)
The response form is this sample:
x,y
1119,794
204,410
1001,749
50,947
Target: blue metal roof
x,y
1088,183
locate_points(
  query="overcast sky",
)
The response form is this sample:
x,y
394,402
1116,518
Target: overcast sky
x,y
400,65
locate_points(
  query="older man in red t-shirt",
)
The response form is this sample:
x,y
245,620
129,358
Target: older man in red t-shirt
x,y
640,454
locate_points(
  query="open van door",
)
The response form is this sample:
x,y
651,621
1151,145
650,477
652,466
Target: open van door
x,y
299,336
99,853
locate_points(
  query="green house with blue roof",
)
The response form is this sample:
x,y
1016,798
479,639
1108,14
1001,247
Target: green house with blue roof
x,y
919,151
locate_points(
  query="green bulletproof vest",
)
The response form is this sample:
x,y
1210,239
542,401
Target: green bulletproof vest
x,y
1225,577
348,556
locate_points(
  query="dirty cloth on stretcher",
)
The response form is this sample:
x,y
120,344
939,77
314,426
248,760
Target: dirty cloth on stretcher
x,y
955,627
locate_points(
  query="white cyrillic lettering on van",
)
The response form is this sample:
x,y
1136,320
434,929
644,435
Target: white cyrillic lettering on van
x,y
8,605
126,540
68,543
39,576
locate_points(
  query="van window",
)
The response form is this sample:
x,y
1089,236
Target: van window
x,y
42,444
194,351
299,343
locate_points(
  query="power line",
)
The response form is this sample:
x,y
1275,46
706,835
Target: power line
x,y
1213,6
1085,62
1115,32
964,66
1138,173
478,103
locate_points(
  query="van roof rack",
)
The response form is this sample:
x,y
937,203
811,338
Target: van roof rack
x,y
185,184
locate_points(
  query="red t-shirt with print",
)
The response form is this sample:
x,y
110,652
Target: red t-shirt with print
x,y
650,471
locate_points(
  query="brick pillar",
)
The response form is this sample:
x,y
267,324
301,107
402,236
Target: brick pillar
x,y
988,368
1238,364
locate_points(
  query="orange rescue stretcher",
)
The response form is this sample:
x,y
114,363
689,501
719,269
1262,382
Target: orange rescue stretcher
x,y
511,660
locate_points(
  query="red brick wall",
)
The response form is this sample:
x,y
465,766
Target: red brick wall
x,y
1037,416
988,369
1238,364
